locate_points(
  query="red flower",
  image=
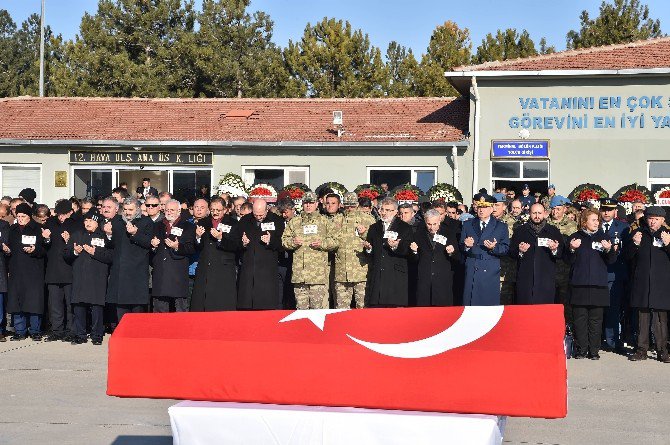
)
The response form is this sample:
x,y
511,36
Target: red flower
x,y
406,195
587,195
296,193
368,193
665,194
631,195
260,191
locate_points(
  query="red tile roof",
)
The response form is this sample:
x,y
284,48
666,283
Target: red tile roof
x,y
260,120
652,53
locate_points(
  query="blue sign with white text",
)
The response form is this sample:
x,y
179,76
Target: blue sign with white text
x,y
520,149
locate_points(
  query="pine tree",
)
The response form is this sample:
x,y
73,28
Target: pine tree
x,y
333,60
401,69
620,22
507,44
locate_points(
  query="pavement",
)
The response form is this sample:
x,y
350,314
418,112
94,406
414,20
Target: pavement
x,y
54,393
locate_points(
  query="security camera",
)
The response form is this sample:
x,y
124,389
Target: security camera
x,y
137,148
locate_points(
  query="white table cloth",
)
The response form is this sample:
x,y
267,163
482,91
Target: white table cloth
x,y
207,423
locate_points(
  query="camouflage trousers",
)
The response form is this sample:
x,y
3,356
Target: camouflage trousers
x,y
311,296
346,291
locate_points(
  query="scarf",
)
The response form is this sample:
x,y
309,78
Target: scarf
x,y
537,228
589,232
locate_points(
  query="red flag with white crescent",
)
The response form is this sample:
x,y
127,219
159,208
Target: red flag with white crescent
x,y
502,360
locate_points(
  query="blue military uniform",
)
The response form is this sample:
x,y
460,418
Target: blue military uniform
x,y
482,266
526,201
617,275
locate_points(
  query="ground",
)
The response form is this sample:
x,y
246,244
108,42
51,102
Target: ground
x,y
55,393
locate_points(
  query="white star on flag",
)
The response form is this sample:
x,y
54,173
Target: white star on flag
x,y
316,316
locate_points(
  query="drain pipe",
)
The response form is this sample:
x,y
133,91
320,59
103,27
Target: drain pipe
x,y
475,154
454,157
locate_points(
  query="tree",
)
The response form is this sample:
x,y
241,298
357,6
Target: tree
x,y
449,47
620,22
236,56
333,60
508,44
131,48
7,54
401,69
544,49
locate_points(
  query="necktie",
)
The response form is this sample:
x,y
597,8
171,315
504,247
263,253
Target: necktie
x,y
483,225
607,227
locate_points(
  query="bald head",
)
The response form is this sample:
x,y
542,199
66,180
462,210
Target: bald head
x,y
260,209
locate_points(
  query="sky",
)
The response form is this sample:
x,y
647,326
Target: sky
x,y
410,23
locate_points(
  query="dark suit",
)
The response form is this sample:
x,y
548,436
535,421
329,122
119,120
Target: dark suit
x,y
170,267
482,266
152,191
617,283
387,283
435,267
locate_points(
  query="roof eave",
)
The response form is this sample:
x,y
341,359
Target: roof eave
x,y
95,143
461,79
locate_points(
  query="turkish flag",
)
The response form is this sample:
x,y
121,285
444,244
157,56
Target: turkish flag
x,y
483,360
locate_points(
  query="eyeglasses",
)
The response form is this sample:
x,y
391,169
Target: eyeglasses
x,y
151,205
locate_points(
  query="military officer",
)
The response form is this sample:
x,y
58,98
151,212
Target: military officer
x,y
526,198
310,237
484,240
351,262
507,264
567,227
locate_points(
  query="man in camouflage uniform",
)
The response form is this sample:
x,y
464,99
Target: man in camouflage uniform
x,y
546,199
331,210
351,262
310,237
507,264
567,227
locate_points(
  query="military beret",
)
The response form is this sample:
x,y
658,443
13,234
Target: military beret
x,y
525,187
655,211
558,200
499,197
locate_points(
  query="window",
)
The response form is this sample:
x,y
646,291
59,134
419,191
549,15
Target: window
x,y
520,170
17,177
276,176
88,182
658,175
186,183
422,177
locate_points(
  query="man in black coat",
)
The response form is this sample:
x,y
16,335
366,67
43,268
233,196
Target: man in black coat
x,y
25,249
649,254
131,236
407,214
4,240
388,243
536,246
215,287
260,238
58,277
435,250
173,243
90,258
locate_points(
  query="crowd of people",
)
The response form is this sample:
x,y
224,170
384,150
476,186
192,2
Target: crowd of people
x,y
83,264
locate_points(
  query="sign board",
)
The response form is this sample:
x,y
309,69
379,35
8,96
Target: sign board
x,y
520,149
152,158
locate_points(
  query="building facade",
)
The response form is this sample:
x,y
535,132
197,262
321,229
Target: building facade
x,y
66,147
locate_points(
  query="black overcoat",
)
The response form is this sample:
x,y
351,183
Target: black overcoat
x,y
4,239
387,282
58,270
435,267
650,284
170,267
215,286
129,274
536,269
259,274
89,272
588,269
26,271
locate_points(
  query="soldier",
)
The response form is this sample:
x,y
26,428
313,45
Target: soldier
x,y
546,199
567,227
310,238
507,264
331,210
351,262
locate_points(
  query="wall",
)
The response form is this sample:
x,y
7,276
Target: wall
x,y
611,157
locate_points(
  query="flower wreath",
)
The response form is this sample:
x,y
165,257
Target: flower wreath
x,y
445,192
370,191
233,185
588,193
263,191
662,197
407,193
